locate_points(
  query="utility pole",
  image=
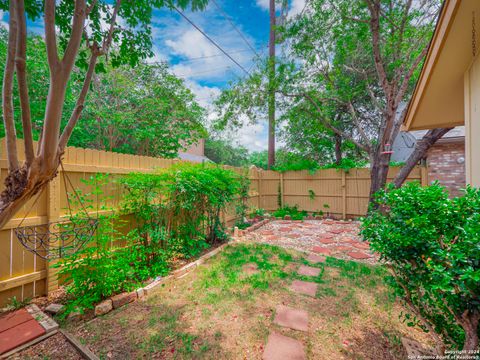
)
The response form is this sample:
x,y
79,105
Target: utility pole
x,y
271,87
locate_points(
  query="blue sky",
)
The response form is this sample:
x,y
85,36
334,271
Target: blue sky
x,y
196,60
179,43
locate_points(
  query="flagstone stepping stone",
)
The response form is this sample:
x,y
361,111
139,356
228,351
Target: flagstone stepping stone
x,y
267,232
293,236
308,271
281,347
326,241
291,318
341,248
304,287
358,255
361,245
321,250
315,259
336,231
285,229
326,236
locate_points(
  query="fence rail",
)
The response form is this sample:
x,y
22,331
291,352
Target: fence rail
x,y
24,275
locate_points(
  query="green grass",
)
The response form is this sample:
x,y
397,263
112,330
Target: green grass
x,y
202,315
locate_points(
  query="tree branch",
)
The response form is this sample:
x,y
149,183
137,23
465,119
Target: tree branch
x,y
50,35
8,115
77,111
374,8
408,76
420,151
73,45
357,123
96,52
329,125
20,63
108,40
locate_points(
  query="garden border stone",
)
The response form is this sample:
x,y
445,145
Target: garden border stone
x,y
125,298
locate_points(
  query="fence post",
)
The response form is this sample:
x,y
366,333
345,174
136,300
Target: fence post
x,y
282,191
424,175
344,194
53,214
259,174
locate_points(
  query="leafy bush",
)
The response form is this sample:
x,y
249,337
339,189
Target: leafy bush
x,y
432,246
292,211
176,214
179,208
100,269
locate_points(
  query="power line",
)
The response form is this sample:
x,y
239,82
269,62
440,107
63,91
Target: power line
x,y
215,55
211,40
225,15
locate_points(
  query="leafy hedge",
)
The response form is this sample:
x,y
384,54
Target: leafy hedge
x,y
431,244
176,213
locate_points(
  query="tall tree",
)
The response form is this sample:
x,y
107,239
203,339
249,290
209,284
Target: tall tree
x,y
271,88
76,32
363,56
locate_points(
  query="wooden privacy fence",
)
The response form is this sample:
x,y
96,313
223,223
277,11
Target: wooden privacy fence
x,y
24,275
341,193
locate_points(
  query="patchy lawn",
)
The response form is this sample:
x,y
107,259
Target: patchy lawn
x,y
225,308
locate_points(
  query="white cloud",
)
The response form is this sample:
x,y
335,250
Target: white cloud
x,y
296,6
3,21
263,4
204,94
252,136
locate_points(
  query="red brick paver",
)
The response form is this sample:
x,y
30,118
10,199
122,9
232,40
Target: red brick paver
x,y
358,255
18,328
281,347
304,287
321,250
308,271
291,318
315,259
327,241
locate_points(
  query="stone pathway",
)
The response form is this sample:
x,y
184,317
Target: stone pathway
x,y
280,347
339,239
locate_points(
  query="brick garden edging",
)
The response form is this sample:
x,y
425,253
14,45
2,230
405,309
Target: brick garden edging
x,y
122,299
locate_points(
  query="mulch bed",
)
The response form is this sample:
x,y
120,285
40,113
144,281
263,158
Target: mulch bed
x,y
55,347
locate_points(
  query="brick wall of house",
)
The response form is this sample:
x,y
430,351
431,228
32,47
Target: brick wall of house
x,y
444,166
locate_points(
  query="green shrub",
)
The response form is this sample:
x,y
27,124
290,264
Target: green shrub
x,y
179,208
432,246
176,215
292,211
99,269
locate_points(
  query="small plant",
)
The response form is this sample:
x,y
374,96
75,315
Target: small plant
x,y
431,244
292,211
311,194
15,304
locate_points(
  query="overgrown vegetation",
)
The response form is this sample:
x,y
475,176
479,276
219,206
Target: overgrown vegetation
x,y
292,211
431,244
177,215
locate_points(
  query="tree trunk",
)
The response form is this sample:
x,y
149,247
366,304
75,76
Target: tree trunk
x,y
380,165
421,148
271,96
470,323
22,185
338,149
